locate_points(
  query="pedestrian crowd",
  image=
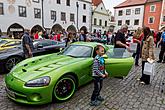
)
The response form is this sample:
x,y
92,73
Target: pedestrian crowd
x,y
145,39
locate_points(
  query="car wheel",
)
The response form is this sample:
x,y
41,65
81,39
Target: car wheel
x,y
64,88
11,62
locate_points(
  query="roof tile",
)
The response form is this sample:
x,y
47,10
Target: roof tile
x,y
96,2
130,3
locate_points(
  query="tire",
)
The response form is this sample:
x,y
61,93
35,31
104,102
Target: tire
x,y
11,62
65,88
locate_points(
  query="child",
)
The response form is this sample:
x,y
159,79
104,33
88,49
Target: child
x,y
98,73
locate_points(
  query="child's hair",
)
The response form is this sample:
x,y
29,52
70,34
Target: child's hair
x,y
96,49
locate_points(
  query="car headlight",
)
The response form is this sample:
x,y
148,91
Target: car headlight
x,y
40,82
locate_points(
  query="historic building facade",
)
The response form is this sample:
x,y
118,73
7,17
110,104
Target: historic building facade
x,y
129,12
101,18
152,14
50,15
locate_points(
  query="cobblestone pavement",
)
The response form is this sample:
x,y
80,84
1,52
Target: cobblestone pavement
x,y
126,94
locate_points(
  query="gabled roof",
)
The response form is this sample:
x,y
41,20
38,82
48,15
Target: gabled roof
x,y
128,3
96,2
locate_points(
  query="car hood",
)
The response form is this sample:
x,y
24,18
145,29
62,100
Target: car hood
x,y
40,66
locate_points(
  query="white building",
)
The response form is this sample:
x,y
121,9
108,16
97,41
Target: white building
x,y
101,18
130,12
52,15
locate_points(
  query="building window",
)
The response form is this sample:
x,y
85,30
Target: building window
x,y
128,11
72,17
136,22
120,13
84,19
163,18
37,1
84,6
119,22
137,11
53,15
151,20
106,23
95,21
100,22
1,9
58,1
63,16
68,2
37,13
22,11
152,8
127,22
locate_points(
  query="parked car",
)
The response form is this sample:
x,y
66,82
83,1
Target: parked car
x,y
9,43
10,57
56,76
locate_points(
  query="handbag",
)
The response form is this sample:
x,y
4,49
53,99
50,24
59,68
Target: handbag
x,y
149,69
133,47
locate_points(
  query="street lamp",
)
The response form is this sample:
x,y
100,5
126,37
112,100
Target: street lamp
x,y
42,5
77,5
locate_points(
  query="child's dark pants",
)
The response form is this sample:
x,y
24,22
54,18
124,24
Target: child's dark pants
x,y
98,82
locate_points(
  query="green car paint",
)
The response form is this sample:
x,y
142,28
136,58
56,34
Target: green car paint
x,y
57,67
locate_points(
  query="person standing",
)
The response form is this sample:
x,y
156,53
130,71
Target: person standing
x,y
120,40
162,51
99,73
36,36
137,38
83,36
70,39
27,44
158,39
147,53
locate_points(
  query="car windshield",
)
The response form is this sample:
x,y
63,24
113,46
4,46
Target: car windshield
x,y
78,51
118,53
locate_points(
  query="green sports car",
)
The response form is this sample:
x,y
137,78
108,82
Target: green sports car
x,y
40,80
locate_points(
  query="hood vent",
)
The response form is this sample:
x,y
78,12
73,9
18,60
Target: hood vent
x,y
24,70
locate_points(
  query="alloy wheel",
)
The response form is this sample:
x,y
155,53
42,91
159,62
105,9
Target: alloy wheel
x,y
11,62
64,88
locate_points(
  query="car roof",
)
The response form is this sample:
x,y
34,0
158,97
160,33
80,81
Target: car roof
x,y
11,39
93,44
39,40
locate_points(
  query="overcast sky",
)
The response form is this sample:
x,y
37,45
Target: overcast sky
x,y
109,4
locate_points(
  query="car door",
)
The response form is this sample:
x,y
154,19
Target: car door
x,y
55,47
118,62
40,48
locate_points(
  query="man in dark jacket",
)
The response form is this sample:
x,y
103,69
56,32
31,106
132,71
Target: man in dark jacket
x,y
120,41
27,44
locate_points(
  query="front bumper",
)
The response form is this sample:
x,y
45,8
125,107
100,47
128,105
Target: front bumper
x,y
28,95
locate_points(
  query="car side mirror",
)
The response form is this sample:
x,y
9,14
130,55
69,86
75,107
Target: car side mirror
x,y
61,49
40,46
105,56
4,45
